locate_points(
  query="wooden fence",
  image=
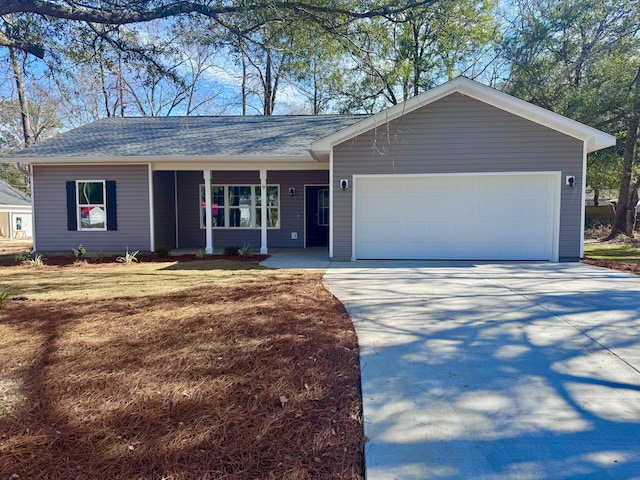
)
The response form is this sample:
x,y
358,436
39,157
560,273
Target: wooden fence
x,y
594,216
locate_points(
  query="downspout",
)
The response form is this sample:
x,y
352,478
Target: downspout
x,y
208,249
175,206
331,191
152,229
33,212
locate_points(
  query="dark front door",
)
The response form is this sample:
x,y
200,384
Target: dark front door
x,y
317,213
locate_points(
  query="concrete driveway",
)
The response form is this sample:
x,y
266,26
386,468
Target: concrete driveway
x,y
496,371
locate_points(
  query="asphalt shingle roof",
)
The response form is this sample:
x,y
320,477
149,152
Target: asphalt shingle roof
x,y
192,136
12,196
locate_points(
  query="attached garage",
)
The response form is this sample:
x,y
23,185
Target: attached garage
x,y
460,172
498,216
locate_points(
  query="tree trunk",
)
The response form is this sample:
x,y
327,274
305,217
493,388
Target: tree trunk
x,y
596,197
22,99
632,214
29,138
624,195
244,83
268,92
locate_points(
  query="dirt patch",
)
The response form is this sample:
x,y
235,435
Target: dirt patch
x,y
225,381
13,247
629,266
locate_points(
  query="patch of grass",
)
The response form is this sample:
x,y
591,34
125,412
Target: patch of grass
x,y
621,248
613,251
252,379
109,280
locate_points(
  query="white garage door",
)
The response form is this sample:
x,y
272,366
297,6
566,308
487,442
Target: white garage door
x,y
460,217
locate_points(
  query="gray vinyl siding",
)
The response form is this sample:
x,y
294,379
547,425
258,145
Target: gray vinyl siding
x,y
164,209
50,208
459,134
291,208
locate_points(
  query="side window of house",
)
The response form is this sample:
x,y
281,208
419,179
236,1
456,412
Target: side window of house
x,y
239,206
91,205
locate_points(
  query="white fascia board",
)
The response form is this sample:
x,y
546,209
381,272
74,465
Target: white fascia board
x,y
16,208
239,166
593,138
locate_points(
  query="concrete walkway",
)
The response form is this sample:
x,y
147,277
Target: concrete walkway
x,y
298,259
496,371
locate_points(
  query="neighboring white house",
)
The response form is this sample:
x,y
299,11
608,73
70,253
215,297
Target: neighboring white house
x,y
15,213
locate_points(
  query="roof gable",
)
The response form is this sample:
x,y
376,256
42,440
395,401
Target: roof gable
x,y
12,196
594,139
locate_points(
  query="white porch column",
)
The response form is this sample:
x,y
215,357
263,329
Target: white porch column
x,y
263,212
208,249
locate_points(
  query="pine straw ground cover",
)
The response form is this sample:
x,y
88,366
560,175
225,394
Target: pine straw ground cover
x,y
239,380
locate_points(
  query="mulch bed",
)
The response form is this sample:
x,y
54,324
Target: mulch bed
x,y
256,381
63,260
623,266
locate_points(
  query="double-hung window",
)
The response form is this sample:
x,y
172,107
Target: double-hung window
x,y
240,206
91,205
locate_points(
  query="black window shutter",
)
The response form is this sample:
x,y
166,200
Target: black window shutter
x,y
112,210
72,211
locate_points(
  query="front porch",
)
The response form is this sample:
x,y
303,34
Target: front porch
x,y
214,208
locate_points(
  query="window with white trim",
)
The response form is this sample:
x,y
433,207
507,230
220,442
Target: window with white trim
x,y
240,206
91,204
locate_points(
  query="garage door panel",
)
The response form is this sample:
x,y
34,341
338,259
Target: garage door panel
x,y
493,217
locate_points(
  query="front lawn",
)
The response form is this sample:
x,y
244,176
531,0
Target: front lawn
x,y
621,253
176,371
612,251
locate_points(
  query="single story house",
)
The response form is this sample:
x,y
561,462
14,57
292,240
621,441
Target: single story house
x,y
462,171
15,212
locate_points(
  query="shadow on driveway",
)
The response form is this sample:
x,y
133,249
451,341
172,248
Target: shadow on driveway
x,y
495,371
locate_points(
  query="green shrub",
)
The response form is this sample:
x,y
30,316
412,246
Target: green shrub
x,y
128,258
245,251
201,254
5,293
231,251
99,258
36,261
162,252
79,252
22,258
